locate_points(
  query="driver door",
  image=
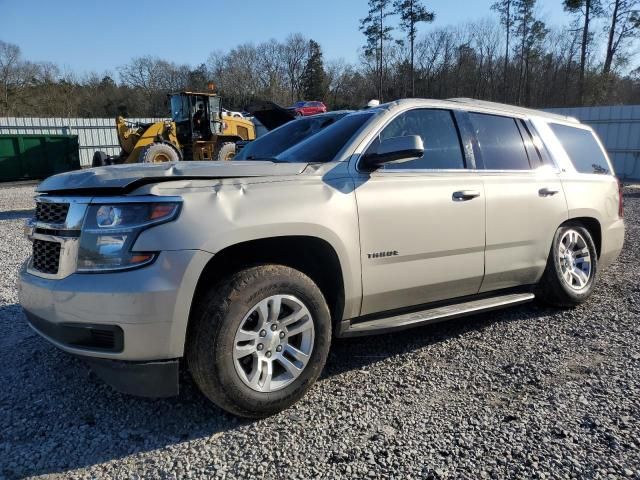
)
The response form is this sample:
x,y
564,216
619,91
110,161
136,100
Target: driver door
x,y
215,115
420,240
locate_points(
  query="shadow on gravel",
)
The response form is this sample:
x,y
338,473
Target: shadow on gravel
x,y
16,214
361,352
59,417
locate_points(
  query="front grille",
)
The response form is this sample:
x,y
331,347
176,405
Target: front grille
x,y
51,212
46,256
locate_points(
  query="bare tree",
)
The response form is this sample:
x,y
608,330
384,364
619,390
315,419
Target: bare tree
x,y
411,13
530,32
376,31
294,54
10,66
624,25
587,10
505,11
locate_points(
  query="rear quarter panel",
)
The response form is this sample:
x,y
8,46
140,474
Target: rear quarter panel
x,y
588,195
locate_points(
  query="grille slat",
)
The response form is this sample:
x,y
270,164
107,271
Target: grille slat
x,y
46,256
55,213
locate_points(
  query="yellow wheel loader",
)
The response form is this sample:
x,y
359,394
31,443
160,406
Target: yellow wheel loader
x,y
197,131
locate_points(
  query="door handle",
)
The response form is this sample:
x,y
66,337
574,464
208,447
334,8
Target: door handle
x,y
547,192
464,195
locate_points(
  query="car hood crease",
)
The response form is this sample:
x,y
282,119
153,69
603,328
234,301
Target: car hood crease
x,y
124,178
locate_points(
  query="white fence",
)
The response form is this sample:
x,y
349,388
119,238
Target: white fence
x,y
93,133
619,129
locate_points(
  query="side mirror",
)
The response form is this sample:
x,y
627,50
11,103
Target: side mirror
x,y
396,149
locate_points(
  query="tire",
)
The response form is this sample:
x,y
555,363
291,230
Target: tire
x,y
559,287
225,151
215,338
100,159
158,153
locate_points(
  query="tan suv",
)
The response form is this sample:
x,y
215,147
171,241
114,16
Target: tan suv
x,y
409,213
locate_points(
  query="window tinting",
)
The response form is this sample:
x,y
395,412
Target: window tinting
x,y
325,145
582,148
500,142
439,136
286,136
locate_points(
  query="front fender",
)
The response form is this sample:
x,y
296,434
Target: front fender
x,y
226,214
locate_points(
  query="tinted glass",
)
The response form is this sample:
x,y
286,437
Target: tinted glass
x,y
324,146
500,142
439,135
286,136
582,148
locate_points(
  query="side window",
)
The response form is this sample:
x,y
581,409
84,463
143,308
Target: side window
x,y
582,148
500,142
439,135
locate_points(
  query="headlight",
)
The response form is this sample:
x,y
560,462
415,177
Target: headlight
x,y
110,231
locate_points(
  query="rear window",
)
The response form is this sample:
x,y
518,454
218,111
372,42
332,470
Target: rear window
x,y
500,142
582,148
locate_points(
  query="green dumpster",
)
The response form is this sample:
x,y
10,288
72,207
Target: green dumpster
x,y
30,157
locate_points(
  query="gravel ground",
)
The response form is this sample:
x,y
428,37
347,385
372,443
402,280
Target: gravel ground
x,y
525,393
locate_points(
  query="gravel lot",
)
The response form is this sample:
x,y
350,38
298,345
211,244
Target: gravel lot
x,y
524,393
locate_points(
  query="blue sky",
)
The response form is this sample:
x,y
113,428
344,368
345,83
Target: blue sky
x,y
99,35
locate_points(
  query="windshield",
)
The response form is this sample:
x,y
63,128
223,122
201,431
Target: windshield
x,y
180,110
324,146
286,136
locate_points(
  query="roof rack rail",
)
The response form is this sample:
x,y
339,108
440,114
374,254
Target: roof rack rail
x,y
514,109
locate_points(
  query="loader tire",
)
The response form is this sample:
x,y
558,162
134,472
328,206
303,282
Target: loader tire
x,y
158,153
225,151
100,159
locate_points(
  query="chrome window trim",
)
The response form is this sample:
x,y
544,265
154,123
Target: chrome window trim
x,y
425,171
530,171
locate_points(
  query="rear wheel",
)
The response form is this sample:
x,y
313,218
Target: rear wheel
x,y
571,271
158,153
259,340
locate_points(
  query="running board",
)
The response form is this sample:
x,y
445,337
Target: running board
x,y
433,315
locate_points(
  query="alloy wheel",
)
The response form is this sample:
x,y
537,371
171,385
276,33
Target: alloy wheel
x,y
273,343
575,260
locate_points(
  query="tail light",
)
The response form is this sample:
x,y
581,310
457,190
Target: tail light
x,y
620,199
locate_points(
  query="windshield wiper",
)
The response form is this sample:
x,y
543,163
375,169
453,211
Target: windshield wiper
x,y
266,159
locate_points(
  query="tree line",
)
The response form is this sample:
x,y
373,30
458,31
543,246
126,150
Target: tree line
x,y
511,56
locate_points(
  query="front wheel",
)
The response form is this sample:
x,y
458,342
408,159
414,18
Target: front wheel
x,y
259,340
159,153
572,267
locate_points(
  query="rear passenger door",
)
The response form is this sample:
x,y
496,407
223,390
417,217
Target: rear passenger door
x,y
421,241
525,202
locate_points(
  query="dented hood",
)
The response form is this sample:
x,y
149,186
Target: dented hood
x,y
125,178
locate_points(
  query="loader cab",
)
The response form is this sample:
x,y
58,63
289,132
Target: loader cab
x,y
198,116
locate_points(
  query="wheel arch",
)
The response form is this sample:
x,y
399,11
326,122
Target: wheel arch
x,y
220,139
594,227
313,256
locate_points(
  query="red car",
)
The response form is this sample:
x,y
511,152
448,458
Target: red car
x,y
308,108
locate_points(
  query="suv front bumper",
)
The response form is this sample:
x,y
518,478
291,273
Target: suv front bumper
x,y
137,315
